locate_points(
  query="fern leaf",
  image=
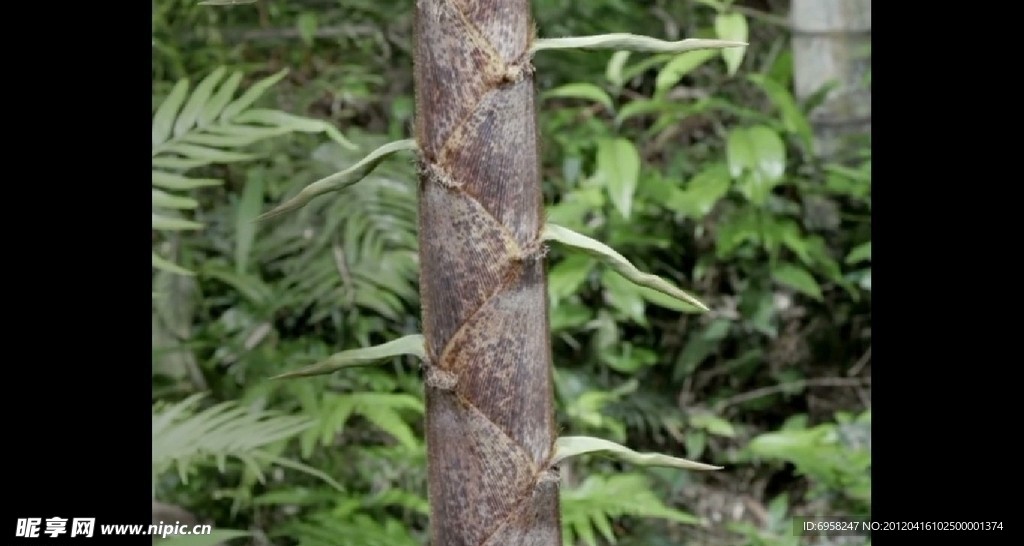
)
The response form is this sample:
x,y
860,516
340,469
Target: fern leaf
x,y
163,120
166,200
195,130
301,468
333,422
245,222
249,286
206,112
356,250
164,264
402,498
178,163
213,108
244,135
294,123
169,181
251,95
383,411
590,506
277,118
166,417
173,224
327,529
190,112
183,437
206,154
585,532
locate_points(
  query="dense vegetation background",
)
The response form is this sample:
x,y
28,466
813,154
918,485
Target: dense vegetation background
x,y
695,166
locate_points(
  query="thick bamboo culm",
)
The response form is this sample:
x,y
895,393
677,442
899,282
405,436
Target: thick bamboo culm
x,y
490,415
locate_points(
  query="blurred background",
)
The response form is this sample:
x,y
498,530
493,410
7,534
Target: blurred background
x,y
742,176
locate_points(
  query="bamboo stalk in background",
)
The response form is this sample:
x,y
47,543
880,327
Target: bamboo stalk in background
x,y
832,44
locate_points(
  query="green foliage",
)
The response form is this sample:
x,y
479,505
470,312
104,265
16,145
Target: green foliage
x,y
342,179
697,166
244,280
208,127
333,411
619,264
184,438
587,510
777,530
775,240
836,456
348,528
333,249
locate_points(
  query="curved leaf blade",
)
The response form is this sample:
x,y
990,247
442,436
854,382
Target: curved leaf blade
x,y
757,149
617,262
757,160
861,253
618,164
702,192
582,90
613,72
341,180
733,27
631,42
407,345
793,119
679,66
571,446
798,279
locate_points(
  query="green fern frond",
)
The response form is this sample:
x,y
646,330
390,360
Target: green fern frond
x,y
332,411
358,529
184,436
210,126
588,509
356,249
